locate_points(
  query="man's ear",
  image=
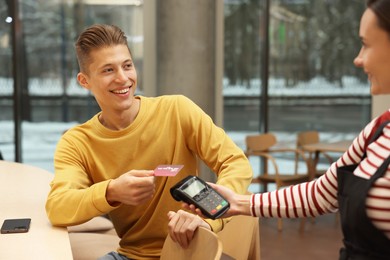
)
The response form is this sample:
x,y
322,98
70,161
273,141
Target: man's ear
x,y
83,80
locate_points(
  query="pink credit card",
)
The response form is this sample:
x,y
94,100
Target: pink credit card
x,y
167,170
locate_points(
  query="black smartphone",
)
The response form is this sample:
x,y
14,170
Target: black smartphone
x,y
194,190
20,225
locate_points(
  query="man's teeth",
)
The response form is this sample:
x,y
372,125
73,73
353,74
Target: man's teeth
x,y
122,91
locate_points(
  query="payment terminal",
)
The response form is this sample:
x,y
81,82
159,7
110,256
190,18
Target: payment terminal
x,y
194,190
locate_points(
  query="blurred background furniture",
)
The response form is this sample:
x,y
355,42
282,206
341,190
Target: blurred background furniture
x,y
321,148
312,137
263,146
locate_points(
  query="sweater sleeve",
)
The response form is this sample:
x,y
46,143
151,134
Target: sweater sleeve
x,y
216,149
74,198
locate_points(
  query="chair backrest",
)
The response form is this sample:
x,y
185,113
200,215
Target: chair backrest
x,y
307,137
205,245
245,232
260,142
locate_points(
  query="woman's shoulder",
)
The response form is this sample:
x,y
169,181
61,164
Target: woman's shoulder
x,y
377,122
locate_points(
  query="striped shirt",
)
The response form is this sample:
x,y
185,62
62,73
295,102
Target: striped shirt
x,y
320,195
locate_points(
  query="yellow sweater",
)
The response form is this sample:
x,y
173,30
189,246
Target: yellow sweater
x,y
167,130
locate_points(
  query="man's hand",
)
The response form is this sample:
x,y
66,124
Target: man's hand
x,y
182,226
131,188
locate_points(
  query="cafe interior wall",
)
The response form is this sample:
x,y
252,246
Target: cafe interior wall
x,y
379,104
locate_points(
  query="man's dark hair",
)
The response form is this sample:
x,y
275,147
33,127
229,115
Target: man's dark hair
x,y
96,37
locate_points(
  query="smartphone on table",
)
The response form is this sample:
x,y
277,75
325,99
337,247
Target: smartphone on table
x,y
19,225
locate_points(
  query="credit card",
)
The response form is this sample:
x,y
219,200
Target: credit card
x,y
167,170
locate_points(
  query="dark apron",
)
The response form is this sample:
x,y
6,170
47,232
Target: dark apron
x,y
362,240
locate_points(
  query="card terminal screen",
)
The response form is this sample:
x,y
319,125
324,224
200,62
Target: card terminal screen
x,y
194,188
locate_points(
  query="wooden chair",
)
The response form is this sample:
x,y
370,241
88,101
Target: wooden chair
x,y
206,246
263,145
97,234
245,232
311,137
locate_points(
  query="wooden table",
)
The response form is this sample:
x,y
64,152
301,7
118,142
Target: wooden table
x,y
23,192
317,148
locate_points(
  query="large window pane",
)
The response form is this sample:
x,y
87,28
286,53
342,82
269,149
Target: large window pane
x,y
244,38
52,99
6,83
312,82
242,65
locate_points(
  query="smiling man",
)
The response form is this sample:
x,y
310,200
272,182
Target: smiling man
x,y
105,165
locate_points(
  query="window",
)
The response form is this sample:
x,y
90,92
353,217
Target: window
x,y
312,83
51,97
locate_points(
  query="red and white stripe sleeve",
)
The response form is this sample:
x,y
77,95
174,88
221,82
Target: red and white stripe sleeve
x,y
310,198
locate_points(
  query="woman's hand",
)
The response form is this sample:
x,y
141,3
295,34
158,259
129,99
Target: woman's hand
x,y
239,204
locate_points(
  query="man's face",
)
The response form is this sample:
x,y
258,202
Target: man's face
x,y
111,77
374,56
